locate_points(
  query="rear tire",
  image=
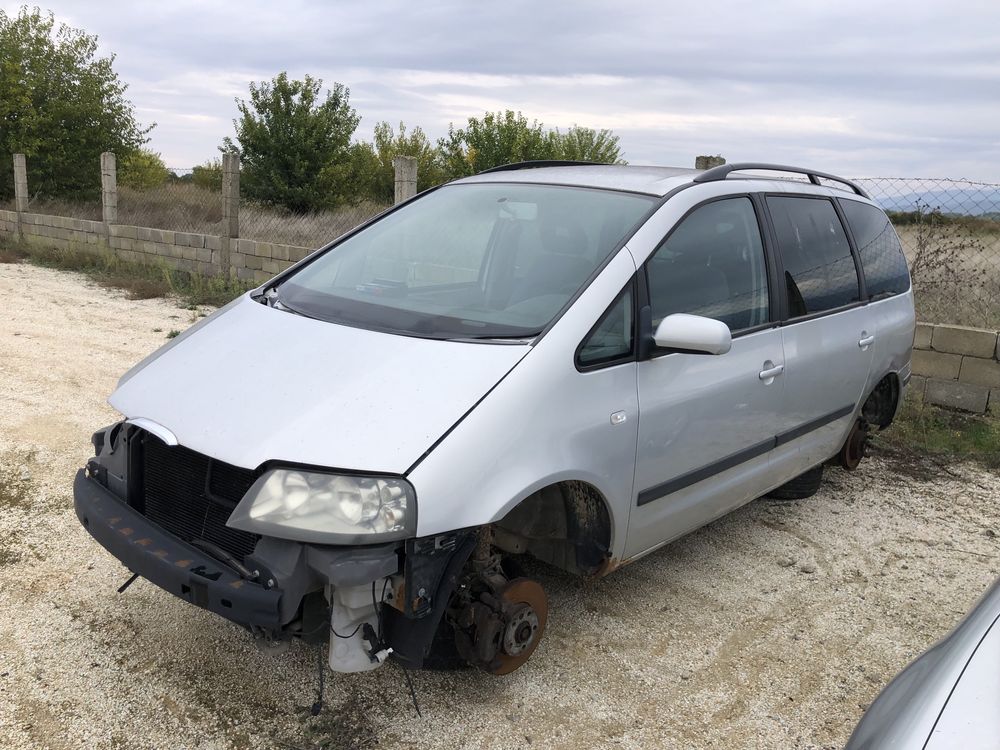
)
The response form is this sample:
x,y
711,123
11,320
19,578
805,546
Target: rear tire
x,y
803,486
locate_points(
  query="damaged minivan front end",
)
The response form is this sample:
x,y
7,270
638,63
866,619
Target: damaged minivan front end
x,y
289,552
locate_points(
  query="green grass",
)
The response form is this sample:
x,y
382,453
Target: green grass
x,y
139,281
942,434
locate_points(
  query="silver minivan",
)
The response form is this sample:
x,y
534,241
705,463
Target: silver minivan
x,y
570,362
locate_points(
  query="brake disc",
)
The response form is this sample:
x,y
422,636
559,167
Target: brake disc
x,y
526,611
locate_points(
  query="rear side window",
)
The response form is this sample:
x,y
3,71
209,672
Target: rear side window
x,y
819,269
882,258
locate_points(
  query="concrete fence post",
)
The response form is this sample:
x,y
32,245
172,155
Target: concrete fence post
x,y
708,162
109,190
20,192
406,177
230,211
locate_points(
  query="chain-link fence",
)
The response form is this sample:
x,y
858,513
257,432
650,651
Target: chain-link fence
x,y
310,230
950,230
177,204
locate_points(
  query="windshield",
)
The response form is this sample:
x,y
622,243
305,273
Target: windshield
x,y
468,261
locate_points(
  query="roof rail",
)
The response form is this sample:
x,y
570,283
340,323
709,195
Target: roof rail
x,y
722,172
539,163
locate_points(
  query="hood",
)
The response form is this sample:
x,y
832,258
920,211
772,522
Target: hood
x,y
252,384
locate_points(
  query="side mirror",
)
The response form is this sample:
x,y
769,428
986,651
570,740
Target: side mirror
x,y
693,333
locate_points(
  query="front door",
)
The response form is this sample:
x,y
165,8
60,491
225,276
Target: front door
x,y
707,422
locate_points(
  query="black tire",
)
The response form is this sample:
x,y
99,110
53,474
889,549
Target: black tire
x,y
803,486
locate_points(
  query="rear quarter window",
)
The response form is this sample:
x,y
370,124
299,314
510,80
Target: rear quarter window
x,y
882,258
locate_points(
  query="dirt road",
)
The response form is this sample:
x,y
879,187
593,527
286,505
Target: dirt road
x,y
773,627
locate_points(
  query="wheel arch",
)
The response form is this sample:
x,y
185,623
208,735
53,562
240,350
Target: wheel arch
x,y
567,523
882,402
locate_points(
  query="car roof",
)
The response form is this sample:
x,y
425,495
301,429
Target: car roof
x,y
636,179
658,181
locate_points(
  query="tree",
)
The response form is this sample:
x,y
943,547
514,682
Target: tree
x,y
375,160
61,105
507,137
142,170
294,144
587,144
208,175
498,138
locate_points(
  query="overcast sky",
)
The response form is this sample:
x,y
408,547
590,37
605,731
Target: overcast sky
x,y
857,88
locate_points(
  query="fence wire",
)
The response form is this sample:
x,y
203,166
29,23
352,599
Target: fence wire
x,y
950,231
177,204
311,230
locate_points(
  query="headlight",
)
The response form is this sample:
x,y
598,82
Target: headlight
x,y
309,506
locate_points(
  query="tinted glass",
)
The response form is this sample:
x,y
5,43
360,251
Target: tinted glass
x,y
612,339
882,258
712,265
468,261
819,269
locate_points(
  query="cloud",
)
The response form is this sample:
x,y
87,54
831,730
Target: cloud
x,y
853,87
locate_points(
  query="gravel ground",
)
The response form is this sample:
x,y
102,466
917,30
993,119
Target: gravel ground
x,y
773,627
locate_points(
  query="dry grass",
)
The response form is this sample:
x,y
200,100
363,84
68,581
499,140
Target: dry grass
x,y
138,281
184,207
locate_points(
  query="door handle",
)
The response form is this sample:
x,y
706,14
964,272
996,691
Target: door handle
x,y
866,341
771,372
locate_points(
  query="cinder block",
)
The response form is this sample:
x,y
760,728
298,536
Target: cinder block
x,y
973,342
922,336
252,261
144,233
295,254
188,253
993,407
247,247
264,249
203,254
282,265
980,372
936,364
260,277
957,395
279,252
213,242
269,266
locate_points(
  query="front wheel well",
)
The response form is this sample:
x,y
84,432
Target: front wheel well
x,y
880,406
566,524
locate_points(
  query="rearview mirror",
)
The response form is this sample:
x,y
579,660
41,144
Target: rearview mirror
x,y
693,333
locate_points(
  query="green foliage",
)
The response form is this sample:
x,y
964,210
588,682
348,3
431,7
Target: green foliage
x,y
923,429
375,171
587,144
208,175
61,105
294,144
498,138
142,170
507,137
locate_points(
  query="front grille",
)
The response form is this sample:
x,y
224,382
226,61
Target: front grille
x,y
191,495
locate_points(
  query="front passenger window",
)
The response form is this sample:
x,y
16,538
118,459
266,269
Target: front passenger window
x,y
712,265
